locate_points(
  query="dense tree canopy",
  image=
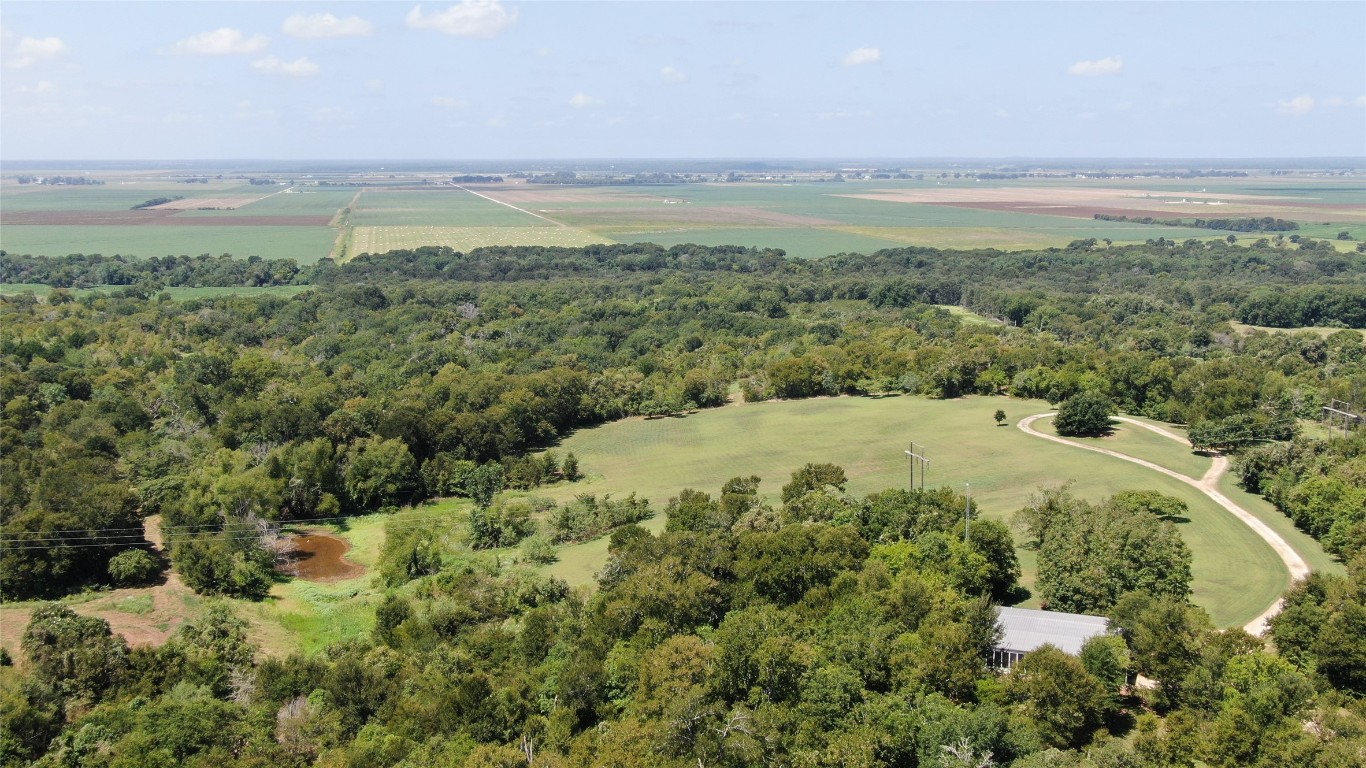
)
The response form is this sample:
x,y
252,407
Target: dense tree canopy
x,y
817,628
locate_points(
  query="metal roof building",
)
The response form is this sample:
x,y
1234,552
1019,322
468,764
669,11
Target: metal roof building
x,y
1024,629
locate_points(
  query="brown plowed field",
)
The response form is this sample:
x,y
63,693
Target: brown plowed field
x,y
154,218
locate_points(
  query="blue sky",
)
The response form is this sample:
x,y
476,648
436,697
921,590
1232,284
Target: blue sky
x,y
501,79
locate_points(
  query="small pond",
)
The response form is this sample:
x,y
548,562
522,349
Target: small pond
x,y
316,556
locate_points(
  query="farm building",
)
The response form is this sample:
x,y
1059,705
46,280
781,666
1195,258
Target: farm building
x,y
1024,629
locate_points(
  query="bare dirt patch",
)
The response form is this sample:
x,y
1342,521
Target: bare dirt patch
x,y
318,556
171,604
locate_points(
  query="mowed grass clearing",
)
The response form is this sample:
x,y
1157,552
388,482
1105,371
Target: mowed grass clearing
x,y
1236,574
385,239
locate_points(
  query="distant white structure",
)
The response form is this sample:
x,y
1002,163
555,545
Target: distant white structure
x,y
1024,630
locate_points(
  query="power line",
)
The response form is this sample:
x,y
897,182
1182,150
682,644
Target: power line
x,y
192,527
13,544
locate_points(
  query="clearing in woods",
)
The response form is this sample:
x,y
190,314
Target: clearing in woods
x,y
1236,574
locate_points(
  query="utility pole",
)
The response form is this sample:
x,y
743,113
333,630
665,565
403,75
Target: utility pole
x,y
1338,408
918,456
967,511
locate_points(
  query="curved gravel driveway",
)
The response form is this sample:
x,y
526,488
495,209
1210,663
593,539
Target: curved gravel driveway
x,y
1208,485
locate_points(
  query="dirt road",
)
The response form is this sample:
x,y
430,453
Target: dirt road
x,y
1208,485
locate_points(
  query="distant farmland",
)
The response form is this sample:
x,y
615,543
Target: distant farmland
x,y
385,239
308,220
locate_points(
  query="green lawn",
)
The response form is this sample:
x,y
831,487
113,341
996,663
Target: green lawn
x,y
1236,574
1145,444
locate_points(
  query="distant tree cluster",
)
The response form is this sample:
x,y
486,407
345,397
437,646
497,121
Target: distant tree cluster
x,y
570,177
156,201
148,276
1264,224
476,179
79,181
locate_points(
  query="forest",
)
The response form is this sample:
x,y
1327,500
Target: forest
x,y
825,630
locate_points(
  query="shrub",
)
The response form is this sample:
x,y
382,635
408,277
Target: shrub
x,y
1084,414
132,566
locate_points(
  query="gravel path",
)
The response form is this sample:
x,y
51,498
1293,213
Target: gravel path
x,y
1208,485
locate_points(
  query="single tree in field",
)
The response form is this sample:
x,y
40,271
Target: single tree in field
x,y
1087,413
1000,417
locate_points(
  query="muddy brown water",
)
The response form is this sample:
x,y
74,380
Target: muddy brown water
x,y
319,557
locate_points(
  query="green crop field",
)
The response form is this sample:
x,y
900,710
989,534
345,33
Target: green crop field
x,y
385,239
439,206
303,201
807,219
303,244
1236,574
112,196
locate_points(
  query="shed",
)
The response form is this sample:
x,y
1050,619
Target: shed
x,y
1025,629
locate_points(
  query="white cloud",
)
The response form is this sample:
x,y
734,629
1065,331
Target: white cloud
x,y
333,115
581,100
860,56
1297,106
842,114
1110,65
448,102
1334,101
470,18
43,86
326,25
1124,106
374,85
220,42
544,52
248,111
672,75
271,65
1001,113
32,50
1361,101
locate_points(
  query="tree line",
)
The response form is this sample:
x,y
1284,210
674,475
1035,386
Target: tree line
x,y
1249,224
